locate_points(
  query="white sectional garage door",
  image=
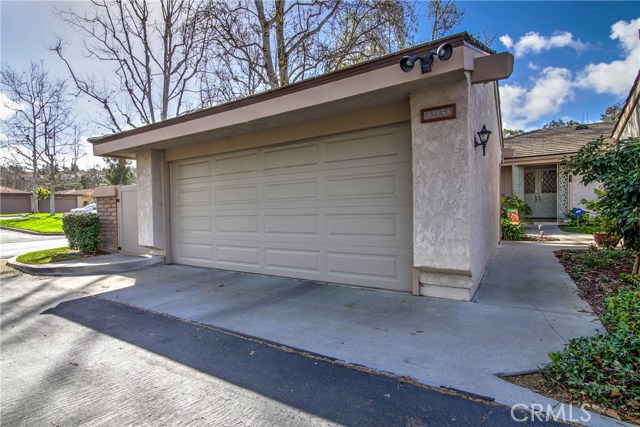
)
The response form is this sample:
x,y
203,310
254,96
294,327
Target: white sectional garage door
x,y
336,209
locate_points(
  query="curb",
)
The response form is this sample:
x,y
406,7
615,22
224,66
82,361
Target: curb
x,y
36,233
86,270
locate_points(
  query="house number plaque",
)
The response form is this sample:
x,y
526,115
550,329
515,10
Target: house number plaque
x,y
435,114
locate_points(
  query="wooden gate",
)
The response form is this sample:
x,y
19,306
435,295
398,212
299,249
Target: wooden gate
x,y
128,220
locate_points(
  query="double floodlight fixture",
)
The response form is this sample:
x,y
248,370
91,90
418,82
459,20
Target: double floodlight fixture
x,y
443,53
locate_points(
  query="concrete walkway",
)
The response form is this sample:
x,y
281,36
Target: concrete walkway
x,y
526,307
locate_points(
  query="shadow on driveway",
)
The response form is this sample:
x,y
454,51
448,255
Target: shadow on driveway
x,y
343,394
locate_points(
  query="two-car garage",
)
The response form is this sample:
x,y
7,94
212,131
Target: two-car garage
x,y
334,209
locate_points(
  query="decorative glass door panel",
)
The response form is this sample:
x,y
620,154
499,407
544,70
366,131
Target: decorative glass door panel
x,y
541,192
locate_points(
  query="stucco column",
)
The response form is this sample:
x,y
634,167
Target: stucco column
x,y
150,199
441,235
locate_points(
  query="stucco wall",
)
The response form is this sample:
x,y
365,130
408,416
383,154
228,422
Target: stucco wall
x,y
440,182
456,189
578,191
149,167
484,180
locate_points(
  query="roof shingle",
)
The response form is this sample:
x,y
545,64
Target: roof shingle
x,y
569,140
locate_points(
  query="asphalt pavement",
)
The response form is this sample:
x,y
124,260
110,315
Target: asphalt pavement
x,y
72,359
13,243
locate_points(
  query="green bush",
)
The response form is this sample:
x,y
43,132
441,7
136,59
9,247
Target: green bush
x,y
605,367
515,202
511,231
82,231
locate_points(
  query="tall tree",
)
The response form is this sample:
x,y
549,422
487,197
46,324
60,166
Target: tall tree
x,y
157,52
554,124
264,45
445,16
612,113
119,172
37,101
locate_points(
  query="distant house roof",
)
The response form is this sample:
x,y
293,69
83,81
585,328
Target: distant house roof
x,y
556,141
7,190
83,192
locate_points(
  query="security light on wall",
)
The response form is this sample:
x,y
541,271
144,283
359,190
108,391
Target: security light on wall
x,y
443,53
484,138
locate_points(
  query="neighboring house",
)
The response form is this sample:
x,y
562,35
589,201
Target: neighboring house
x,y
14,201
83,197
66,200
532,165
367,176
628,125
532,168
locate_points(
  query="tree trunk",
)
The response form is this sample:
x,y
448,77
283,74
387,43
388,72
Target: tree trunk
x,y
52,202
636,264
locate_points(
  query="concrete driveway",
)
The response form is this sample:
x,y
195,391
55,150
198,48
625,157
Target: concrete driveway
x,y
526,307
13,243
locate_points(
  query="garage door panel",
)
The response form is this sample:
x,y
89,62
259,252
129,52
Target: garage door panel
x,y
236,194
201,253
245,224
191,170
238,256
237,164
288,157
195,223
291,190
334,209
288,225
288,260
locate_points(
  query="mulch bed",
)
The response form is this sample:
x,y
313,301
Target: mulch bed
x,y
595,283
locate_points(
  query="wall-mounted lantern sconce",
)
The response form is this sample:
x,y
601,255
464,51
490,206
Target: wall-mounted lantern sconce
x,y
484,138
443,53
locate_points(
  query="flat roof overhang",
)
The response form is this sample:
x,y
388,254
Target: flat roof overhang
x,y
363,86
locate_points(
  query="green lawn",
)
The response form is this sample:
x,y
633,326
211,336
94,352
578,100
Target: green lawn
x,y
15,214
49,255
42,223
584,229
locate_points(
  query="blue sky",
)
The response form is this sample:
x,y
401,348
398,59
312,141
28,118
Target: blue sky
x,y
573,59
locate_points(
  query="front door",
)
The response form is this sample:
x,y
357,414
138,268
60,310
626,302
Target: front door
x,y
541,192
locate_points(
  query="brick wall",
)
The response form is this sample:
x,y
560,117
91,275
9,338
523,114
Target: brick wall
x,y
108,214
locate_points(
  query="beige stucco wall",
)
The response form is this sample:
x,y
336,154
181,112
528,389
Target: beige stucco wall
x,y
579,191
484,180
440,182
456,189
149,169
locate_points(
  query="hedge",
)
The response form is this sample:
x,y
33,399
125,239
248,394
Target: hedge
x,y
83,231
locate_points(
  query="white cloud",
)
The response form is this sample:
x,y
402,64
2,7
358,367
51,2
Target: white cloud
x,y
616,77
521,106
89,161
533,66
536,43
506,41
7,107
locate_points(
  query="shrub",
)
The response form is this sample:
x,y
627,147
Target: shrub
x,y
511,231
605,367
82,231
515,202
